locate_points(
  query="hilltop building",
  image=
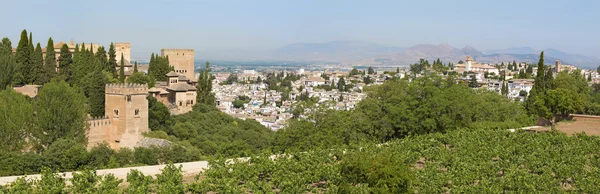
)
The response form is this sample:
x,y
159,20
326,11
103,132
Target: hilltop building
x,y
472,66
182,61
125,117
177,93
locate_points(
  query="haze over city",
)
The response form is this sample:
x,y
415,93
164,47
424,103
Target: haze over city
x,y
246,27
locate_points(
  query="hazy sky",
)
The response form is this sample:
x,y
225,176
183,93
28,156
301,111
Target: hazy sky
x,y
571,26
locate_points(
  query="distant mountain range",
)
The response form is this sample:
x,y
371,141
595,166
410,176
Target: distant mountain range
x,y
365,53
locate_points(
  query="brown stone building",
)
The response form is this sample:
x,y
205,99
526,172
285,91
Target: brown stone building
x,y
182,61
177,93
125,118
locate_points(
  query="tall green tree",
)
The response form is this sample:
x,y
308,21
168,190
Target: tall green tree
x,y
16,120
22,58
341,84
49,62
539,87
204,87
135,67
122,70
61,112
370,70
112,59
94,89
8,65
504,89
64,63
102,59
598,69
473,82
37,62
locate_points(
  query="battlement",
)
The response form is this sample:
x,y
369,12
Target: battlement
x,y
122,43
99,121
177,50
128,88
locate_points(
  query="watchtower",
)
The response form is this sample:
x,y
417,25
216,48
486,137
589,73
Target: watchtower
x,y
125,49
182,61
127,108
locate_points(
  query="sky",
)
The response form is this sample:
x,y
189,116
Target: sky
x,y
256,25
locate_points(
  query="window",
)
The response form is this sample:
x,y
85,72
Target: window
x,y
128,98
116,113
137,112
183,54
180,103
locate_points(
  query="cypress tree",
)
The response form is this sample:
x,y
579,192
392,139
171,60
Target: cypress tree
x,y
204,87
95,92
29,71
8,64
332,84
102,60
341,84
50,60
64,63
38,66
122,70
22,58
152,67
135,70
112,59
539,87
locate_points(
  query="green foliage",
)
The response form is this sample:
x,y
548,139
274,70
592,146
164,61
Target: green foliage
x,y
61,113
159,67
23,59
159,117
65,155
65,61
141,78
16,120
204,87
109,184
50,183
473,82
396,109
112,60
94,89
49,62
481,160
370,71
38,75
138,183
216,133
379,172
100,156
170,180
84,182
122,70
8,65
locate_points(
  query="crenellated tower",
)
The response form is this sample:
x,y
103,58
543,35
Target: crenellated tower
x,y
127,109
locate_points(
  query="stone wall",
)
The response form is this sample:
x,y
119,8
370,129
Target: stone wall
x,y
182,60
100,131
127,112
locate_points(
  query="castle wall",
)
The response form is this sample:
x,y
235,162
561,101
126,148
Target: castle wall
x,y
182,61
99,131
125,49
127,109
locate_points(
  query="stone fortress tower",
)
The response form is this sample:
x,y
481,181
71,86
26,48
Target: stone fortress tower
x,y
126,117
125,49
182,61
